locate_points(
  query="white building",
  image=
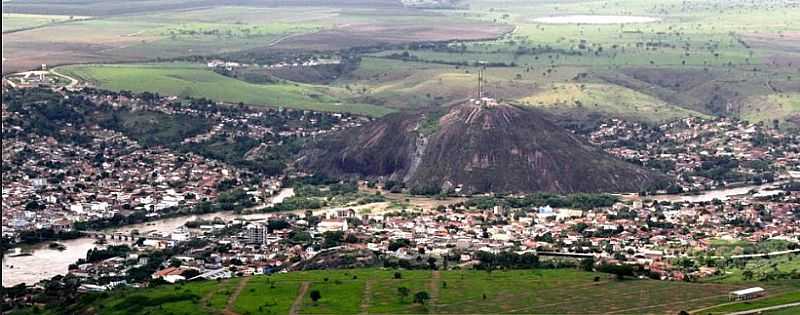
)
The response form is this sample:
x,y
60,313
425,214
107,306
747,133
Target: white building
x,y
180,234
746,294
256,233
332,225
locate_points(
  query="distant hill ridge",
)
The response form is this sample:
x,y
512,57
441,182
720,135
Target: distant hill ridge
x,y
499,148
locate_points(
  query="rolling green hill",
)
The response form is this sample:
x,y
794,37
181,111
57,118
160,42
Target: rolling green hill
x,y
193,80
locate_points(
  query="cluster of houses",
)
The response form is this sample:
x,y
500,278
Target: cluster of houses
x,y
310,62
49,184
682,147
649,233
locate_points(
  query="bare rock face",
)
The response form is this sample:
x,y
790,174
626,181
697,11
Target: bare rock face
x,y
499,148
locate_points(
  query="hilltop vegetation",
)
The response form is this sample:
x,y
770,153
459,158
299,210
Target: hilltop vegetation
x,y
450,292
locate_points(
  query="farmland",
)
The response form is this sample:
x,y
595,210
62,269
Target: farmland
x,y
15,22
376,291
173,29
703,58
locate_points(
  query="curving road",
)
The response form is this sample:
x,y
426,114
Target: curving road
x,y
72,81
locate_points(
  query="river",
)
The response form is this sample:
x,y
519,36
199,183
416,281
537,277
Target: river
x,y
45,263
721,194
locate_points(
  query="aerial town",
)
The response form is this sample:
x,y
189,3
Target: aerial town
x,y
82,177
269,157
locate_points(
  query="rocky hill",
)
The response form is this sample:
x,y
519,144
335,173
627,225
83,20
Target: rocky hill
x,y
480,148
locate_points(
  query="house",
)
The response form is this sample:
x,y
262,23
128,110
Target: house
x,y
170,271
214,274
332,225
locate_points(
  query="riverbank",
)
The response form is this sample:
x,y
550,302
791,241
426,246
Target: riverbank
x,y
44,263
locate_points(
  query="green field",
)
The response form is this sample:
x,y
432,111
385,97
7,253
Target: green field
x,y
702,58
610,99
451,292
190,80
760,268
768,301
15,21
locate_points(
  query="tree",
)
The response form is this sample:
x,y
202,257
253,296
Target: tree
x,y
421,296
619,270
587,264
747,275
398,275
403,292
432,263
315,296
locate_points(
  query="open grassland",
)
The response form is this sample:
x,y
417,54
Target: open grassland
x,y
759,268
191,80
708,57
138,38
783,108
768,301
612,100
451,292
711,57
14,22
149,30
784,311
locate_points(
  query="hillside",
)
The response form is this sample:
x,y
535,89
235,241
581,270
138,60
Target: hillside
x,y
375,291
501,148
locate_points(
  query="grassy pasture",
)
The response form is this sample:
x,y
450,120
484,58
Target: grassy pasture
x,y
732,57
452,292
610,99
784,311
171,29
759,267
191,80
771,300
784,107
14,21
